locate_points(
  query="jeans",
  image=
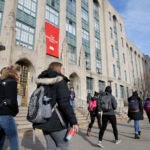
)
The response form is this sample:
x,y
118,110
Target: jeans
x,y
58,138
113,121
136,126
8,125
72,103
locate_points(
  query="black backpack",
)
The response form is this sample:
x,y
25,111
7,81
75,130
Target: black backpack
x,y
133,104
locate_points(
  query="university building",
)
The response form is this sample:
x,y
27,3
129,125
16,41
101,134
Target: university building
x,y
87,36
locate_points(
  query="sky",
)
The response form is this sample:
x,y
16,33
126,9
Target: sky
x,y
136,17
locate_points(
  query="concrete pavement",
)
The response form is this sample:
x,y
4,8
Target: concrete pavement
x,y
82,142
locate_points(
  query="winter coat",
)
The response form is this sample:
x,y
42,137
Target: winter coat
x,y
60,94
139,114
8,92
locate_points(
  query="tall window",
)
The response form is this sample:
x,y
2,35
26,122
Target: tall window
x,y
111,33
121,91
101,86
114,70
116,90
24,35
52,15
28,6
125,75
109,13
112,50
122,42
124,60
89,85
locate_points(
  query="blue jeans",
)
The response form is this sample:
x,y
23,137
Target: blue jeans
x,y
72,103
8,125
136,126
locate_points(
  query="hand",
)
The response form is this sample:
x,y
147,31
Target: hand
x,y
76,128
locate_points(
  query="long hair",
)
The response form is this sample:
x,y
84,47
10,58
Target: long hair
x,y
55,66
108,89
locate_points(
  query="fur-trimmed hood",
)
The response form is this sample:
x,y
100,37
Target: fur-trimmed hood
x,y
47,81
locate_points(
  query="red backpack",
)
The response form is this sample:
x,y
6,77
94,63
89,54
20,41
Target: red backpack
x,y
92,105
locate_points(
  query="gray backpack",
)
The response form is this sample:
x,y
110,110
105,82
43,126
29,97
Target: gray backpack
x,y
106,104
40,109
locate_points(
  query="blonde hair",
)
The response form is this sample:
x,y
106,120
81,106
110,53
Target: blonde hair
x,y
55,66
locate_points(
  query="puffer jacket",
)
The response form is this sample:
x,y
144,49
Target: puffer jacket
x,y
136,115
59,92
8,91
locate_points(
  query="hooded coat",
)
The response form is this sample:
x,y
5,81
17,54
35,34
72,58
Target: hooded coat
x,y
8,92
59,92
139,114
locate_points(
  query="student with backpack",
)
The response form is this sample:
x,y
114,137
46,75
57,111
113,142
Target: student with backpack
x,y
135,112
147,107
108,104
94,110
57,92
9,106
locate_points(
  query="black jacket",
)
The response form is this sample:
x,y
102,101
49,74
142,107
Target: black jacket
x,y
8,92
136,115
60,94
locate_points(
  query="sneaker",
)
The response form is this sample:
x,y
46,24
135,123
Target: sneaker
x,y
117,141
137,136
100,144
139,132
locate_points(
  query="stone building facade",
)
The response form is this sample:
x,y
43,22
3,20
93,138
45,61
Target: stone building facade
x,y
92,45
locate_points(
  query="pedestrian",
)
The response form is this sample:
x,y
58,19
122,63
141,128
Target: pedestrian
x,y
53,130
9,106
94,112
72,97
88,97
147,107
108,115
135,112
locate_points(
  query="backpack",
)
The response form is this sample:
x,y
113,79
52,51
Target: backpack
x,y
92,105
147,106
39,108
106,104
133,105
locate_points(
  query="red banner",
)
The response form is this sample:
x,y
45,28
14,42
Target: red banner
x,y
52,40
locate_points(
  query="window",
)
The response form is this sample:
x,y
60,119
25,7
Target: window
x,y
24,35
72,52
85,38
85,16
28,6
109,16
89,85
111,33
52,16
112,50
120,27
71,27
125,75
114,70
122,42
71,6
121,91
101,86
116,90
124,61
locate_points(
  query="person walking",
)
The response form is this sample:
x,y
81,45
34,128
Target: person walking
x,y
53,128
135,112
9,106
94,112
108,115
72,97
147,107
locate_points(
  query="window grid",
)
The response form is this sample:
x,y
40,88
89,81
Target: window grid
x,y
89,84
52,16
101,86
24,35
28,6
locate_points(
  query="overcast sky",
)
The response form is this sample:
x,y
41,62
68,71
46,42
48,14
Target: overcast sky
x,y
136,15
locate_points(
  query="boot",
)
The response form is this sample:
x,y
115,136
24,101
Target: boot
x,y
89,132
137,136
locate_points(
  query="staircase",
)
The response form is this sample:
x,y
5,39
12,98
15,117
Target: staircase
x,y
21,121
23,124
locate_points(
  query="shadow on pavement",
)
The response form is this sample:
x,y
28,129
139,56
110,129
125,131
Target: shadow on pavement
x,y
27,141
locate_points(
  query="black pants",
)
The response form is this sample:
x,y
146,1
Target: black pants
x,y
148,115
94,115
113,121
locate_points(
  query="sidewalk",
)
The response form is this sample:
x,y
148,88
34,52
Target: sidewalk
x,y
82,142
